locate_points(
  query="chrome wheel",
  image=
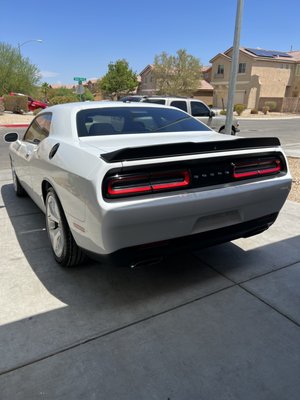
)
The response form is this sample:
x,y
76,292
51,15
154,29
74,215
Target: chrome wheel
x,y
55,225
65,250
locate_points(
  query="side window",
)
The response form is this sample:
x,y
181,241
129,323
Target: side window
x,y
156,101
181,104
39,129
199,109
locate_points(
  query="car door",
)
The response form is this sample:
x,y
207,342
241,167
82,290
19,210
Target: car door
x,y
28,152
39,132
200,111
21,159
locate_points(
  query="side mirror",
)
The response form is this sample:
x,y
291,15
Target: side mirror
x,y
212,114
11,137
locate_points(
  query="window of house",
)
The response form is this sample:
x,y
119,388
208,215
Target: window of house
x,y
242,68
298,70
220,69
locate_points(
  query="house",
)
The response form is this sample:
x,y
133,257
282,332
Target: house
x,y
263,75
147,86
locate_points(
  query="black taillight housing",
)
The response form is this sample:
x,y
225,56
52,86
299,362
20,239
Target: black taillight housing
x,y
255,168
190,174
124,185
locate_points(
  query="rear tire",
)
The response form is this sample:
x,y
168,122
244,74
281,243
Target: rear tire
x,y
65,250
223,131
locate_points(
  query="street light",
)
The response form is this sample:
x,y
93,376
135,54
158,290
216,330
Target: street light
x,y
27,41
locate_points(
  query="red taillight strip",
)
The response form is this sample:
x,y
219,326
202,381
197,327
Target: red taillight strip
x,y
186,179
127,190
139,184
259,171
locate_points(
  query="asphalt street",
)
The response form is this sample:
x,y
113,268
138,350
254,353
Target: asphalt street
x,y
220,323
287,130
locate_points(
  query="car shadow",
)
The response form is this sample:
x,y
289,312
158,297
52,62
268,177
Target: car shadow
x,y
93,280
62,308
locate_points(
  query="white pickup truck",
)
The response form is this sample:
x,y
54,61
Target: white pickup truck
x,y
197,109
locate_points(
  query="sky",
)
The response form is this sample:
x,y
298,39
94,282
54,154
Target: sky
x,y
80,39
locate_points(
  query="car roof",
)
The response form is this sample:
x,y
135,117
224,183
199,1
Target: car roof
x,y
64,115
78,106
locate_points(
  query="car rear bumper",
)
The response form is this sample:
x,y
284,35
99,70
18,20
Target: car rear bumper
x,y
133,256
120,225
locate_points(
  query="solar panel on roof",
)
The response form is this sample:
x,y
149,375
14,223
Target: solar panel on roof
x,y
269,53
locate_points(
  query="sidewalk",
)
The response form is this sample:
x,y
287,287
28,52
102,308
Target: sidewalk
x,y
8,119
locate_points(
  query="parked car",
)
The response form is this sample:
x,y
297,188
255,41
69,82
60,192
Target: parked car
x,y
32,104
197,109
121,180
132,98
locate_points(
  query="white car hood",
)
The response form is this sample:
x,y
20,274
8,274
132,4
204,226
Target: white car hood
x,y
109,143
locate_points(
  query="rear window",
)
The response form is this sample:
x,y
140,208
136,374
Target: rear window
x,y
125,120
155,101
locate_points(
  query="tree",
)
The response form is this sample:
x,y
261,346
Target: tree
x,y
17,74
119,80
45,89
178,75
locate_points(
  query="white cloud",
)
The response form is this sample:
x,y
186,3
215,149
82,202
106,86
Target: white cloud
x,y
48,74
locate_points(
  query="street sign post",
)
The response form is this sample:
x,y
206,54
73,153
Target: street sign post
x,y
79,88
78,79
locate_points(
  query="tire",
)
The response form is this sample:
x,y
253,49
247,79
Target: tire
x,y
65,250
18,188
223,131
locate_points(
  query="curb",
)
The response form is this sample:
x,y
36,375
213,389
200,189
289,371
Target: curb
x,y
265,119
14,125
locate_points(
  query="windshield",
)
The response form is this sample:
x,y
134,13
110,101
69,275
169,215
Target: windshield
x,y
125,120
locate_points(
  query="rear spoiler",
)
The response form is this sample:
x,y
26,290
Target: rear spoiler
x,y
187,148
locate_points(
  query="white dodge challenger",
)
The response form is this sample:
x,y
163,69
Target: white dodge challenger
x,y
133,181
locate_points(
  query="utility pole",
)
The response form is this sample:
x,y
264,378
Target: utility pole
x,y
234,66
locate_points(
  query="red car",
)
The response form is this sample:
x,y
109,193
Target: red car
x,y
32,104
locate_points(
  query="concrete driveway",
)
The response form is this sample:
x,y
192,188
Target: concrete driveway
x,y
222,323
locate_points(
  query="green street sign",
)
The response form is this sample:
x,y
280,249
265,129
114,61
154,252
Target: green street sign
x,y
79,79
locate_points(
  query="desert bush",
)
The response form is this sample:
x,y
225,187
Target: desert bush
x,y
63,99
239,108
223,112
16,104
265,109
254,111
36,111
271,104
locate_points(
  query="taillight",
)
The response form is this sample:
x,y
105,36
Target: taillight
x,y
130,185
251,169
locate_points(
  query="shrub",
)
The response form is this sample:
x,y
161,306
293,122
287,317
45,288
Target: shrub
x,y
265,109
36,111
223,112
254,111
239,108
271,104
2,108
16,104
63,99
